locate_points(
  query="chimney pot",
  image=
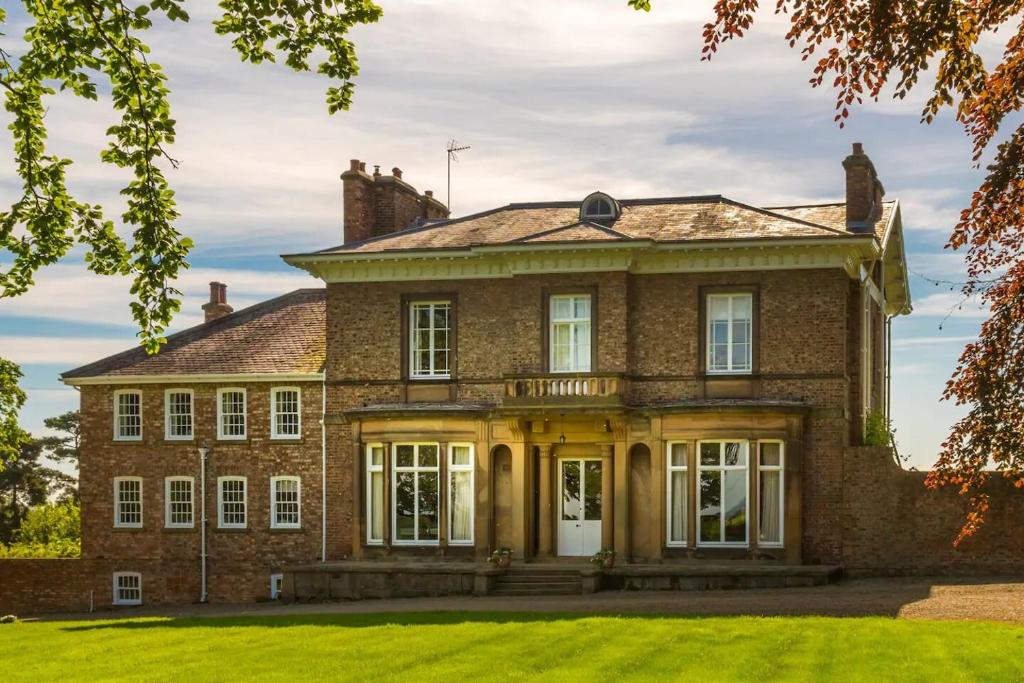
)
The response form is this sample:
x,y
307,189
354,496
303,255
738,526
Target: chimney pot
x,y
864,191
354,165
217,307
858,149
397,172
362,166
376,170
429,193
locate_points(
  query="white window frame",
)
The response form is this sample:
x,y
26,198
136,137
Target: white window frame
x,y
670,468
781,469
221,436
117,414
167,414
372,469
574,324
745,468
220,503
118,524
730,369
274,523
416,469
168,523
117,600
274,391
432,372
450,490
276,586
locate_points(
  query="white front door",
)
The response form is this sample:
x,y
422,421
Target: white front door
x,y
579,508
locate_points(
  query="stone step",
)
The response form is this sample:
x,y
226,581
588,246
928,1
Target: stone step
x,y
535,589
538,578
539,584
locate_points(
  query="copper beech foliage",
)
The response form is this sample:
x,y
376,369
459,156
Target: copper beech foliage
x,y
870,48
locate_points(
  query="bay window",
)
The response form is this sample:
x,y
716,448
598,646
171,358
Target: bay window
x,y
728,333
430,339
414,490
569,333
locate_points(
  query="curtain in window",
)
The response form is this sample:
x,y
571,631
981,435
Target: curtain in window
x,y
462,507
678,511
771,514
376,505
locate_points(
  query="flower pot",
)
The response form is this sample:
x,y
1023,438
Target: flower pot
x,y
608,562
504,561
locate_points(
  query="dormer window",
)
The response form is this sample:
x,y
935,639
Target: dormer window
x,y
599,207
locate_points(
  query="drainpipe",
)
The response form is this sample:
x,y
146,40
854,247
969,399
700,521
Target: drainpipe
x,y
203,453
323,469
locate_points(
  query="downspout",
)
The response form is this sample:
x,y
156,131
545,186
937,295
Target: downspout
x,y
203,453
323,469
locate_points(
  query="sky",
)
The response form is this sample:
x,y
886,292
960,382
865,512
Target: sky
x,y
556,100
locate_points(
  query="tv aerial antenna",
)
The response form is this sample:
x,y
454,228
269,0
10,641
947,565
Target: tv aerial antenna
x,y
453,155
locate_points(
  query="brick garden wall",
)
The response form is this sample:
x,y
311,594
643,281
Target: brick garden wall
x,y
892,524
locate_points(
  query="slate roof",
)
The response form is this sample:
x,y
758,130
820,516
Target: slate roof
x,y
280,336
672,219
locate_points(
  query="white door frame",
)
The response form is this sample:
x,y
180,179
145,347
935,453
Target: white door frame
x,y
580,537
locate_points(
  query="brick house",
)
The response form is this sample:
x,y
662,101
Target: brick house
x,y
678,379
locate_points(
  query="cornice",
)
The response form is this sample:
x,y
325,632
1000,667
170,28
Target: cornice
x,y
504,261
194,379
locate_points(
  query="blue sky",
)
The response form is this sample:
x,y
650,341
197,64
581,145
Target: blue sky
x,y
556,99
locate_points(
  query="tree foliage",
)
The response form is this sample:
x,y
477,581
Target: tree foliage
x,y
867,48
88,47
51,530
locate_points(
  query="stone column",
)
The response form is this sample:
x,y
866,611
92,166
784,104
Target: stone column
x,y
607,502
545,504
520,498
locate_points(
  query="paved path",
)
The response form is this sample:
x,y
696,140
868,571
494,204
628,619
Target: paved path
x,y
917,598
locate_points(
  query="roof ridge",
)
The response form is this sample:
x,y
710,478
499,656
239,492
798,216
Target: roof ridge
x,y
783,216
233,317
551,231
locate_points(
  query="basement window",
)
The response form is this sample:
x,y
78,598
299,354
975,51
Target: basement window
x,y
127,588
276,582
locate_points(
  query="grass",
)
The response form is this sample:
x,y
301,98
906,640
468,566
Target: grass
x,y
450,646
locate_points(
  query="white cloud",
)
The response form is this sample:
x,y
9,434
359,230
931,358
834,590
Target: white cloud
x,y
949,305
72,293
910,342
67,351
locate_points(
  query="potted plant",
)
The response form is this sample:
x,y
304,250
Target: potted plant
x,y
502,557
603,559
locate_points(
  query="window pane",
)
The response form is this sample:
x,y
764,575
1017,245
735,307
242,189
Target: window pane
x,y
710,454
720,357
735,455
679,455
427,500
741,357
741,307
461,505
582,307
571,491
376,456
405,506
561,307
677,508
711,506
376,506
461,456
441,316
592,490
718,308
428,456
735,506
770,523
719,333
404,456
771,454
423,318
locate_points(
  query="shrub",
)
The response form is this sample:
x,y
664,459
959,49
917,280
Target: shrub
x,y
877,429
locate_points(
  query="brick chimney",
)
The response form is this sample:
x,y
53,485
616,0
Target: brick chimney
x,y
864,191
217,307
378,204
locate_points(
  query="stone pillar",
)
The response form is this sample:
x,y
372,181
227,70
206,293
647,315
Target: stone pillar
x,y
607,502
545,504
620,480
519,499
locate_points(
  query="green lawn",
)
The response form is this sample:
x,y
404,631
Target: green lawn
x,y
486,647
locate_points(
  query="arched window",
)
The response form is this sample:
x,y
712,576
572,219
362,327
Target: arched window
x,y
599,206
